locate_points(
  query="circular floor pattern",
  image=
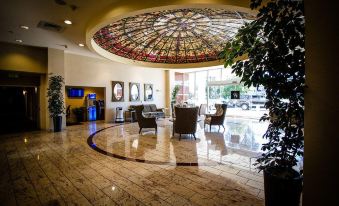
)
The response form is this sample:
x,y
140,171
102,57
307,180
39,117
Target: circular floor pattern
x,y
146,143
210,149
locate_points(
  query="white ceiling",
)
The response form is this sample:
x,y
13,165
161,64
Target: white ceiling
x,y
14,13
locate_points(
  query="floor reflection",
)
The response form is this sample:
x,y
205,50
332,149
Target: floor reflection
x,y
241,140
46,168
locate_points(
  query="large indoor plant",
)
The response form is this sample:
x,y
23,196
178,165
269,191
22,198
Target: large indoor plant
x,y
174,94
270,51
56,100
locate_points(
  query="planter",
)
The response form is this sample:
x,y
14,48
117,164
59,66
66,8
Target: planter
x,y
57,122
282,191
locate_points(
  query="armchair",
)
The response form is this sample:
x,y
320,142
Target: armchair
x,y
185,121
144,122
217,118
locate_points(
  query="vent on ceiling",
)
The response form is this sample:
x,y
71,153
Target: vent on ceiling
x,y
50,26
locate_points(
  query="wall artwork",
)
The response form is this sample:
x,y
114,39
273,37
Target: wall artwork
x,y
134,92
148,92
117,91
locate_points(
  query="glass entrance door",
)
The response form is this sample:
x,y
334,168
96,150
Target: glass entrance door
x,y
249,104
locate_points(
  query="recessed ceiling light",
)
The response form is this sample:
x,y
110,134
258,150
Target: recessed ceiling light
x,y
18,40
81,44
68,22
24,27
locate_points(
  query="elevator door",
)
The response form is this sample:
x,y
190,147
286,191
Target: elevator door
x,y
18,109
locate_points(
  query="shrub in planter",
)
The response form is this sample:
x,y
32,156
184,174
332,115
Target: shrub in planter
x,y
270,51
174,97
174,94
56,100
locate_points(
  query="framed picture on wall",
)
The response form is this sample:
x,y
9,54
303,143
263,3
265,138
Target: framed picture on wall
x,y
134,92
148,92
117,91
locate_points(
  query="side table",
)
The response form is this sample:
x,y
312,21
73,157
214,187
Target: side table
x,y
129,115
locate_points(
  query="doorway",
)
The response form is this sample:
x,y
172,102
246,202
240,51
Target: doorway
x,y
248,103
19,109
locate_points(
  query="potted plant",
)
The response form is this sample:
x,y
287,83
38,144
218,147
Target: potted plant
x,y
56,100
79,114
175,93
174,97
270,51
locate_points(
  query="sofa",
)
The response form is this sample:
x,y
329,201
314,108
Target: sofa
x,y
151,110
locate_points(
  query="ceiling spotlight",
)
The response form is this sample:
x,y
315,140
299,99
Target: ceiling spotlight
x,y
18,40
68,22
24,27
81,44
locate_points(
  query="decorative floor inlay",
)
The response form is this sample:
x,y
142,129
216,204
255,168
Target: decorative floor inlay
x,y
124,142
43,168
94,146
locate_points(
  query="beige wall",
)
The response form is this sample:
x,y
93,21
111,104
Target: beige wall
x,y
23,58
93,72
81,71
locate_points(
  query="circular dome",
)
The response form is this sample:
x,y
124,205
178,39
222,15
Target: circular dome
x,y
181,36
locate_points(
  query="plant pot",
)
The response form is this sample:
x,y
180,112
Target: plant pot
x,y
57,122
282,191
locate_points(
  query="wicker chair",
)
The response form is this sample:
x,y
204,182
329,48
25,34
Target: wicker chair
x,y
143,121
185,121
217,118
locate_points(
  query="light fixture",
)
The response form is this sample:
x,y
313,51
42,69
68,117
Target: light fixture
x,y
82,45
24,27
67,22
18,40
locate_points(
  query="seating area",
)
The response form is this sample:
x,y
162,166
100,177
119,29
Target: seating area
x,y
150,110
174,103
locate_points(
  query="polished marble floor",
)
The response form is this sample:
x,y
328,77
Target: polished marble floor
x,y
106,164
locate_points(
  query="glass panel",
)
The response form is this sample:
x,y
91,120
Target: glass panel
x,y
214,75
201,87
226,73
192,96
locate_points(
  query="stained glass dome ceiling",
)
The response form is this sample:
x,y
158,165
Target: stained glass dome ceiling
x,y
176,36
